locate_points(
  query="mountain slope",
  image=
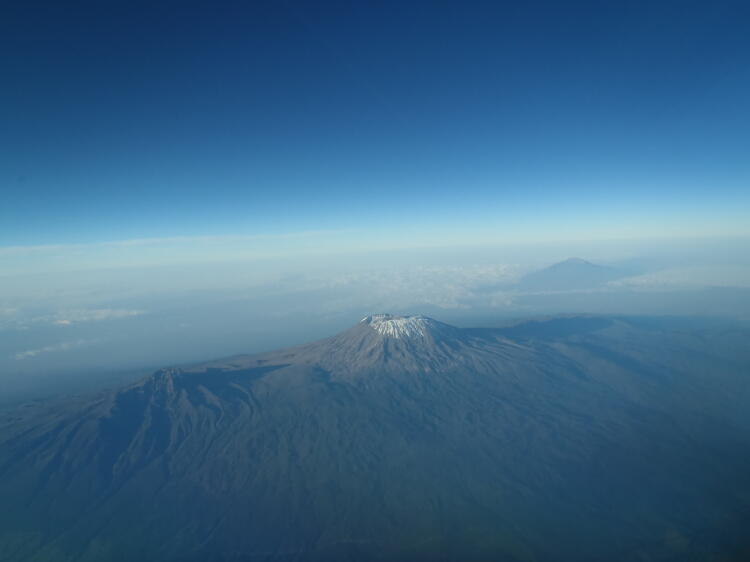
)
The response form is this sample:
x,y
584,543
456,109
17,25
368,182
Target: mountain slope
x,y
400,439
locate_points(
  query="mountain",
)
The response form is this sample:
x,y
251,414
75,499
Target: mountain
x,y
403,438
570,275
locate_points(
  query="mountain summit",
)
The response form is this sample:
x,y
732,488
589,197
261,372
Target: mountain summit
x,y
401,438
391,344
406,327
571,274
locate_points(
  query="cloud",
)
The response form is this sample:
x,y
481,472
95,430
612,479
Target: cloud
x,y
64,346
691,277
18,319
67,317
149,252
164,241
441,287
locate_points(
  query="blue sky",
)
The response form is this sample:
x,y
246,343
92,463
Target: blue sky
x,y
133,120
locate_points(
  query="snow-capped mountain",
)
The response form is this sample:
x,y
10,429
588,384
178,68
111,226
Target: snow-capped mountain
x,y
402,438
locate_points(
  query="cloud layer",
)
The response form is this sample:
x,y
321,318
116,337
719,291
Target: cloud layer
x,y
55,348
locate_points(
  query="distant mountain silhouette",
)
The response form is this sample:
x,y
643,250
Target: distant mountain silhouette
x,y
402,438
570,275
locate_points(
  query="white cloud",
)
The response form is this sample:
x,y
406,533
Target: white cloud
x,y
68,317
688,278
19,319
149,252
410,287
59,347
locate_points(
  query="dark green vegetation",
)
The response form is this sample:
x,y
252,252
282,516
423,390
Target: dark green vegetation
x,y
580,438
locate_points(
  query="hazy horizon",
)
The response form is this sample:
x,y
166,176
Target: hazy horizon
x,y
81,320
185,181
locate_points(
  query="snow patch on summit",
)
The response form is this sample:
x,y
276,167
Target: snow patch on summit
x,y
399,326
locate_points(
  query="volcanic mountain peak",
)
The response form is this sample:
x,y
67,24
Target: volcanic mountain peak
x,y
404,327
528,439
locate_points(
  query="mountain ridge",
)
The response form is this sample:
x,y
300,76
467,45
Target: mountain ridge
x,y
368,446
